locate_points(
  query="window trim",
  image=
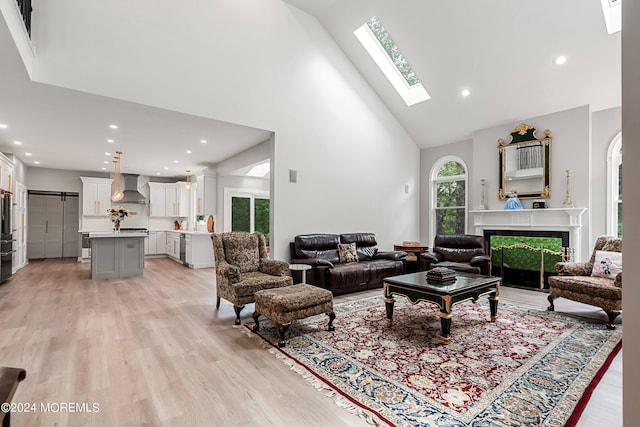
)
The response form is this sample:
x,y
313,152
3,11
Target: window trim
x,y
242,192
614,160
435,179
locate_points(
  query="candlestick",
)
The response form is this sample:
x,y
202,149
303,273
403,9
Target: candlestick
x,y
482,206
568,203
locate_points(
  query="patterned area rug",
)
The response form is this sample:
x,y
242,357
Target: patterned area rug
x,y
530,368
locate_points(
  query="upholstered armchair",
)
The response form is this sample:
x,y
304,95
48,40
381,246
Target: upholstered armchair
x,y
460,252
576,281
242,268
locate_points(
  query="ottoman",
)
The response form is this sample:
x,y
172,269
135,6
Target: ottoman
x,y
284,305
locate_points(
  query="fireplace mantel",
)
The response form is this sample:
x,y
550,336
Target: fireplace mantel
x,y
564,219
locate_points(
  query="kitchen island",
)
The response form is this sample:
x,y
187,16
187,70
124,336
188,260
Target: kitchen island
x,y
117,255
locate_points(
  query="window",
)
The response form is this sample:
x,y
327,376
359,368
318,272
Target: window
x,y
247,211
448,197
614,187
385,53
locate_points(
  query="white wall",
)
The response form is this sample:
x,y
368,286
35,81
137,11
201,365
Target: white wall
x,y
263,64
570,149
45,179
631,207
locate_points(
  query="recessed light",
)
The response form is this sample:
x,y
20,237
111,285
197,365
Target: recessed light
x,y
104,169
166,168
176,161
113,126
204,141
158,173
188,151
17,142
560,60
105,162
110,140
465,92
36,162
27,154
107,154
3,126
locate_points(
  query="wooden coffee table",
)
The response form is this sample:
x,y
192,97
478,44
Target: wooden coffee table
x,y
466,286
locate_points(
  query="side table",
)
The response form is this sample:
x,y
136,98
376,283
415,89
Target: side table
x,y
300,267
413,247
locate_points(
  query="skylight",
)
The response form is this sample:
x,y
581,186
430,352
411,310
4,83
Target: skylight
x,y
612,15
260,170
387,56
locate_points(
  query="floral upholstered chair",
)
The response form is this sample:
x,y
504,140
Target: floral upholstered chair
x,y
242,268
596,282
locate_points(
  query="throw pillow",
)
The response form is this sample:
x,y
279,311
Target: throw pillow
x,y
370,251
607,264
347,252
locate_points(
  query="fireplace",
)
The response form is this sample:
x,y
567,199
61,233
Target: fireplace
x,y
526,258
547,230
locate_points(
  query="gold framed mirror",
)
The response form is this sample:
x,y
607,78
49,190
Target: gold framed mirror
x,y
525,164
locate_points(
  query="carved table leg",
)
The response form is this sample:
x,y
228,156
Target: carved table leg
x,y
332,317
282,328
256,317
238,309
550,298
493,306
445,322
388,303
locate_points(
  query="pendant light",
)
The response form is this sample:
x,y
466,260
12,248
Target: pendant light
x,y
117,192
188,184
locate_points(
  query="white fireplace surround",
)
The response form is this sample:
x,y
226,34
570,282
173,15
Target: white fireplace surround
x,y
550,219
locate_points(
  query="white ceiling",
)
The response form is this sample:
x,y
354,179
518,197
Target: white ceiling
x,y
67,129
501,50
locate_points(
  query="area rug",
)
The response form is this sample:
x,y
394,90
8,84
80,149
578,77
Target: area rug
x,y
530,368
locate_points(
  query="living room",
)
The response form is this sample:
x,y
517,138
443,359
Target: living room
x,y
346,117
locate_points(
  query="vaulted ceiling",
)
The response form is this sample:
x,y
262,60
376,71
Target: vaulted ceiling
x,y
501,50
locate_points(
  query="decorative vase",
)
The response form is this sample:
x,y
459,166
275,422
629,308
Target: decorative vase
x,y
116,226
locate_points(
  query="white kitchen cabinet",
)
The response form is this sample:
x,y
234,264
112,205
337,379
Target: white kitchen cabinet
x,y
156,244
157,199
173,245
199,250
6,173
205,194
169,200
96,196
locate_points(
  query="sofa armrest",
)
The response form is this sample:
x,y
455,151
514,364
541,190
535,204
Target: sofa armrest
x,y
273,267
618,281
229,272
313,262
480,260
392,255
574,268
431,257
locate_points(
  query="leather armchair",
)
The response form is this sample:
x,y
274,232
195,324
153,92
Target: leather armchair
x,y
460,252
242,268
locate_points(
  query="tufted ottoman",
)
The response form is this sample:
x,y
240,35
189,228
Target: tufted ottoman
x,y
284,305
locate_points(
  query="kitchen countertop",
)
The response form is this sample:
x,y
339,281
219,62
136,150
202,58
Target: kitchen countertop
x,y
111,234
184,231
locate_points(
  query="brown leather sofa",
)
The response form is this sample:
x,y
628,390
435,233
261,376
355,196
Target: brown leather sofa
x,y
320,251
460,252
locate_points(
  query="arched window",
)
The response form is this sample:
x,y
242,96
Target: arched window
x,y
448,197
614,187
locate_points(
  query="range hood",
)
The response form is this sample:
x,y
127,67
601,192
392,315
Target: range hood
x,y
130,189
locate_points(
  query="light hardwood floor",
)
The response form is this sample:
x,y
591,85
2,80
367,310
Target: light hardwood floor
x,y
154,351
